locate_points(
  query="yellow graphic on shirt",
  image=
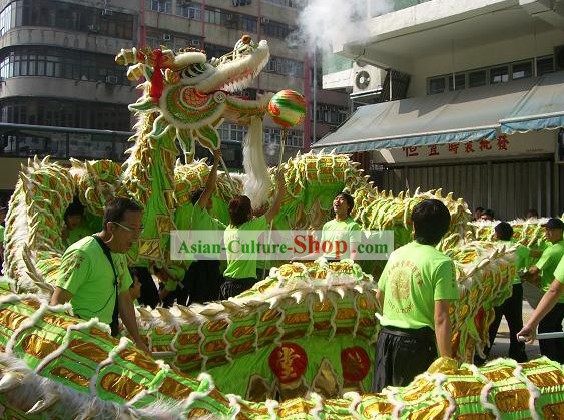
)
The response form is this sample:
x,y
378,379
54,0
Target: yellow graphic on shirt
x,y
401,276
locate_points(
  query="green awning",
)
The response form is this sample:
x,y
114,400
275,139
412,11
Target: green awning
x,y
541,109
465,115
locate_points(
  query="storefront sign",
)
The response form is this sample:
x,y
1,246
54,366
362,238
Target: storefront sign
x,y
503,146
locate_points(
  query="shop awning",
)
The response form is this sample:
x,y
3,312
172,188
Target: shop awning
x,y
465,115
541,108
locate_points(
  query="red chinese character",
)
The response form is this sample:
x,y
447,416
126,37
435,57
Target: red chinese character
x,y
485,145
433,150
468,147
453,147
502,142
410,151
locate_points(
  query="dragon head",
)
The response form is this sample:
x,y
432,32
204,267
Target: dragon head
x,y
193,95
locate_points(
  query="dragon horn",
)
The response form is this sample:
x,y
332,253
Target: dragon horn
x,y
127,57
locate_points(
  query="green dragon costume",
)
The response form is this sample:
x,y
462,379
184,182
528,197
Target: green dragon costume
x,y
299,344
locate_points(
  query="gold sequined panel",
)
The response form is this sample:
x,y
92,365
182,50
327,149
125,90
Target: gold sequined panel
x,y
499,374
269,331
214,326
199,413
11,319
324,306
186,358
140,360
481,416
512,400
38,347
242,348
69,375
120,385
269,315
174,389
215,345
346,313
553,411
461,389
150,248
301,318
546,379
243,331
187,339
88,350
58,321
435,411
33,303
293,407
378,408
322,326
419,388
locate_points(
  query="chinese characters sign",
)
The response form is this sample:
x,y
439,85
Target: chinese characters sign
x,y
502,143
528,144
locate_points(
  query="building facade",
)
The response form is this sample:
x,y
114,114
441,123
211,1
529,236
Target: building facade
x,y
57,70
483,109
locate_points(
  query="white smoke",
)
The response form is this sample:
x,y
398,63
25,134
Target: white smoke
x,y
324,23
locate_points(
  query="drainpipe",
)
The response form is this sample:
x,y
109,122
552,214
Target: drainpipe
x,y
142,28
203,26
307,93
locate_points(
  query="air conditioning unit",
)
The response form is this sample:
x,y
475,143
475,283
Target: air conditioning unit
x,y
94,28
264,19
559,57
195,42
367,78
167,37
111,80
107,12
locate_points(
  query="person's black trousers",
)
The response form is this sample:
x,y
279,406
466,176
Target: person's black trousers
x,y
512,309
552,322
401,355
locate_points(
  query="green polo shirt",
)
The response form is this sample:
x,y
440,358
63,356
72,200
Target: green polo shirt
x,y
548,262
335,231
414,278
521,259
559,275
86,273
237,266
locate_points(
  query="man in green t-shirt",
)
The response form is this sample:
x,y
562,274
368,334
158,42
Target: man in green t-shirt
x,y
203,277
543,273
551,306
94,276
415,290
512,307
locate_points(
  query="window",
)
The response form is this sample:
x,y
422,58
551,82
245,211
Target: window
x,y
499,75
522,70
437,85
187,11
545,65
61,62
232,132
162,6
477,78
66,113
67,16
458,82
285,66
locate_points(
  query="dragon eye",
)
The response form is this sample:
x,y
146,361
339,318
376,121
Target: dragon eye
x,y
194,70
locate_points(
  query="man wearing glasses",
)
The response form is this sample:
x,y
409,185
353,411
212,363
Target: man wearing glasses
x,y
94,276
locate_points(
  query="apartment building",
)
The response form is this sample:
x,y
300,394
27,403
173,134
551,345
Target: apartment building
x,y
61,94
463,95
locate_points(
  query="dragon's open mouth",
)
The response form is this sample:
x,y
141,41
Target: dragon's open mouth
x,y
236,69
